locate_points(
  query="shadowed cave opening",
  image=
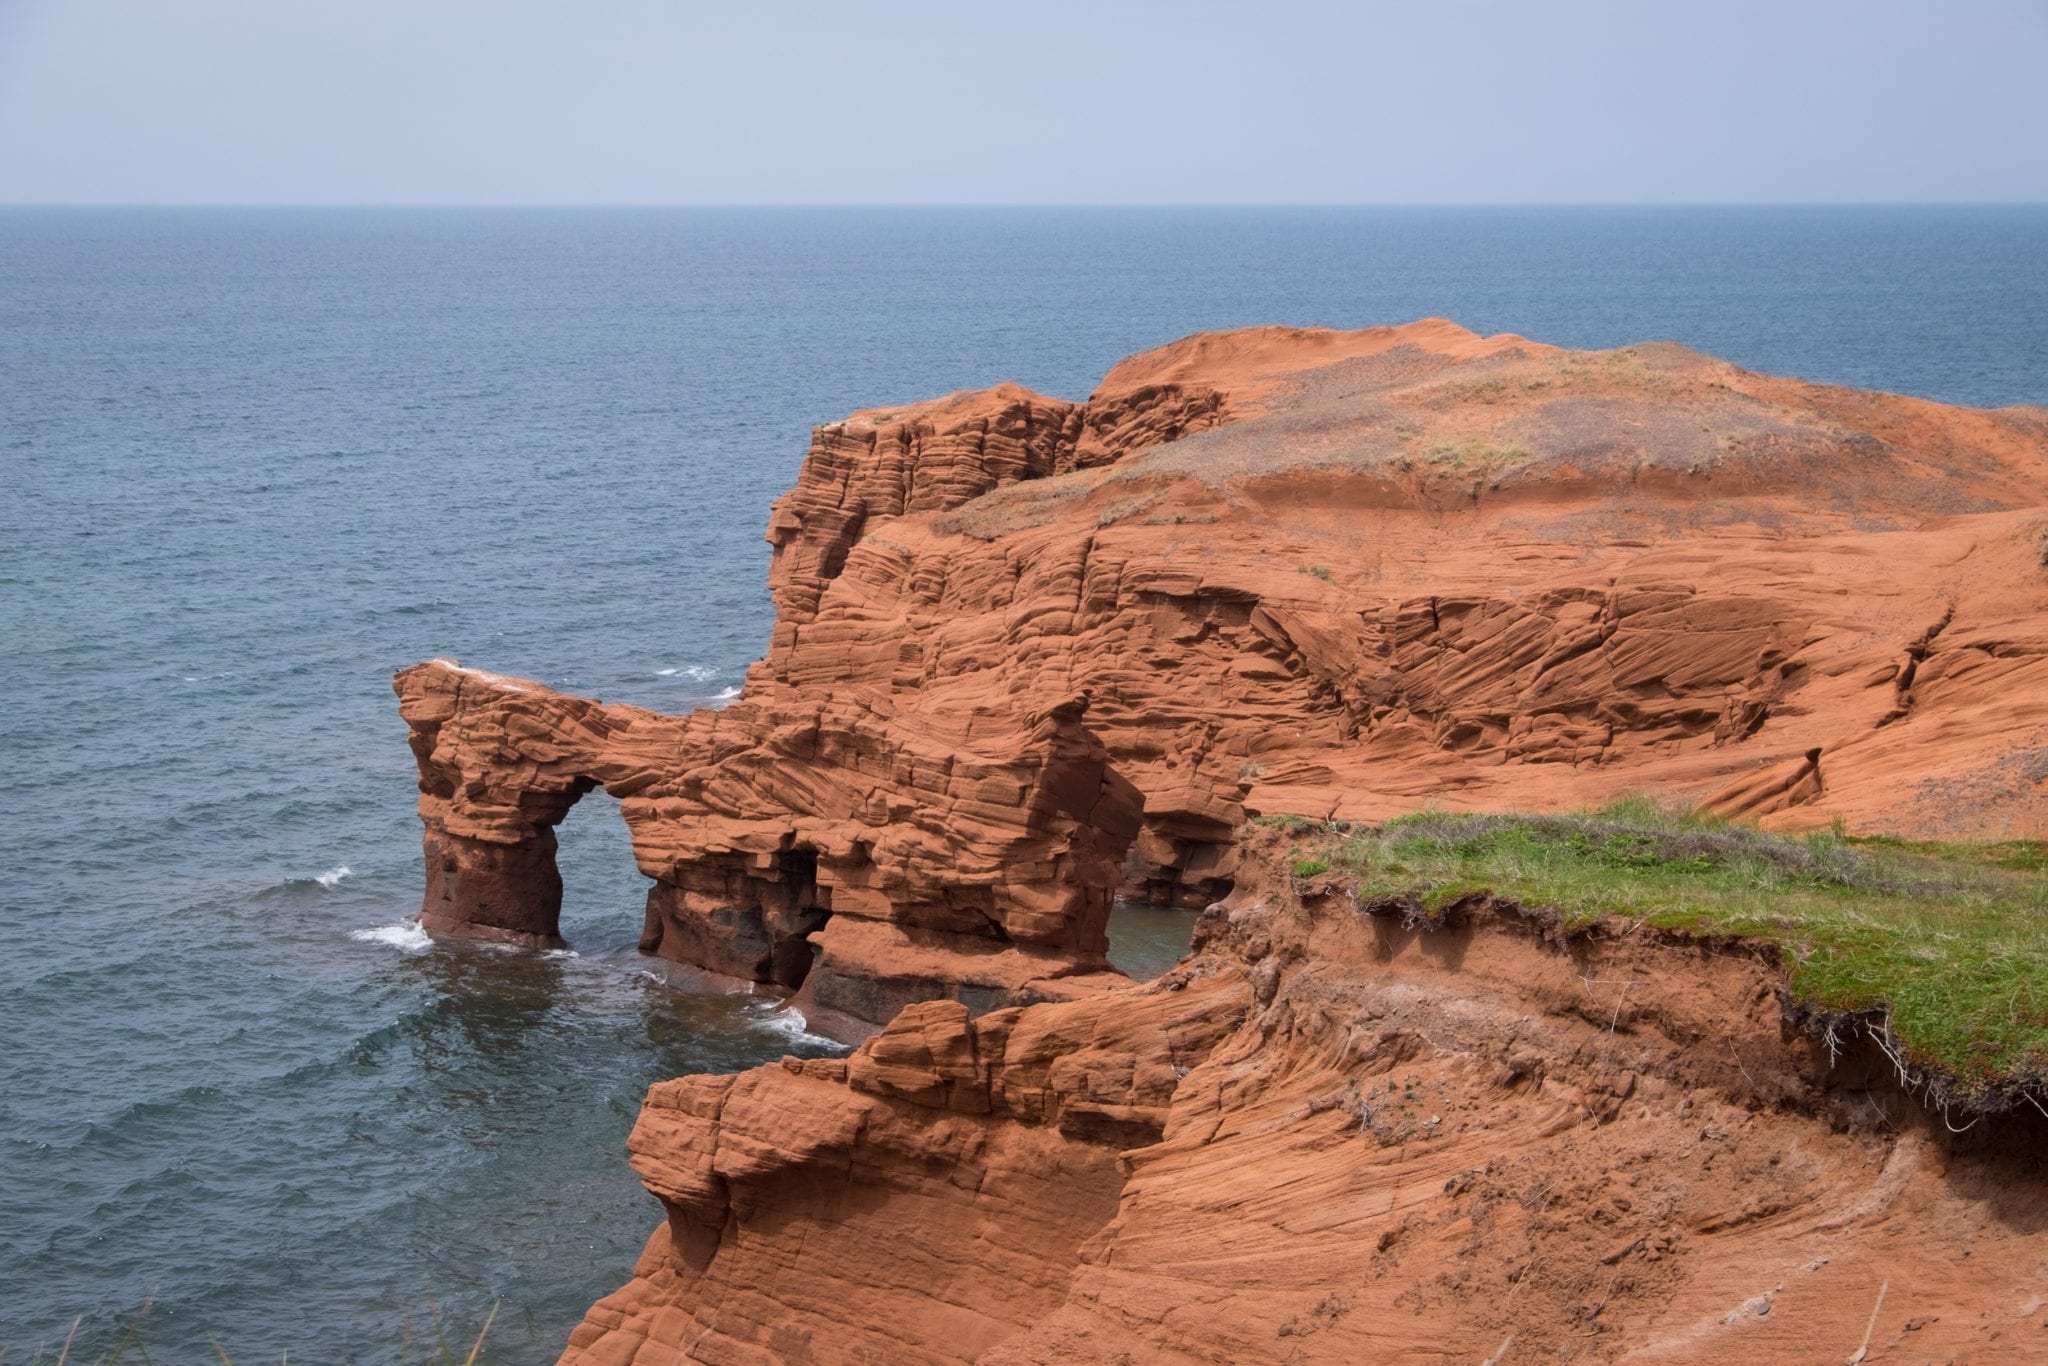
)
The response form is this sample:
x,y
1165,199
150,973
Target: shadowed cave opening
x,y
798,918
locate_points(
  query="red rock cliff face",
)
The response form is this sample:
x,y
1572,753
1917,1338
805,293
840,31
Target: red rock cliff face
x,y
1349,573
1026,647
1333,1136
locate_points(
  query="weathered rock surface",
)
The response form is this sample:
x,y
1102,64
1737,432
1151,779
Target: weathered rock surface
x,y
827,844
1350,573
1339,573
1328,1136
1027,648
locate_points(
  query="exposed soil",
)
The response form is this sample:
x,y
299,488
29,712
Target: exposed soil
x,y
1333,1136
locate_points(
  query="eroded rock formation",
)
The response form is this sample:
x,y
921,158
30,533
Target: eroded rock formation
x,y
1342,573
827,845
1026,648
1350,573
1333,1136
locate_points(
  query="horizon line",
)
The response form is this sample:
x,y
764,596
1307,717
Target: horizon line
x,y
1035,204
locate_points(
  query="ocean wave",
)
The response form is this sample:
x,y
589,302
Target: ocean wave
x,y
788,1023
696,673
406,936
726,695
310,886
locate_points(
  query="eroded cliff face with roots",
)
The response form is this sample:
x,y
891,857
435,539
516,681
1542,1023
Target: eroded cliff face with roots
x,y
1029,653
1338,1134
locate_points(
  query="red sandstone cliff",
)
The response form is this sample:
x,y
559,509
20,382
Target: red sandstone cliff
x,y
1330,1136
1028,649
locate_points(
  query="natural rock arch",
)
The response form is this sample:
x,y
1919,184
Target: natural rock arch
x,y
816,844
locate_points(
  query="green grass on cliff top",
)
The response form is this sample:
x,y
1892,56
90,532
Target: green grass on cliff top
x,y
1950,939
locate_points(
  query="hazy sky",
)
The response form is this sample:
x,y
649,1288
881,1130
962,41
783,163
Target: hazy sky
x,y
1287,101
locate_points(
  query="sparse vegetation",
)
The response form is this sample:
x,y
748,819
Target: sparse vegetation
x,y
1111,513
1016,507
1316,571
1948,941
1310,867
1472,453
1289,824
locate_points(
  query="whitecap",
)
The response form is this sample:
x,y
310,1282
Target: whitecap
x,y
696,673
789,1023
726,695
332,875
560,953
406,936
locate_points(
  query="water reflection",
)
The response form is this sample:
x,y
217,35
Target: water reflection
x,y
1145,940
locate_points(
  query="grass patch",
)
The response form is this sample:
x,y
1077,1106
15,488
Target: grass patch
x,y
1950,939
1471,453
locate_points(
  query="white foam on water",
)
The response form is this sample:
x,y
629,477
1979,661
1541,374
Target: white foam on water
x,y
790,1024
560,953
696,673
726,695
333,875
406,936
498,681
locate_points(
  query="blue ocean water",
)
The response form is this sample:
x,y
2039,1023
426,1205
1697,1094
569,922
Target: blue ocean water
x,y
255,459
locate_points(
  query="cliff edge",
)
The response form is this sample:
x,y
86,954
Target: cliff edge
x,y
1030,654
1029,651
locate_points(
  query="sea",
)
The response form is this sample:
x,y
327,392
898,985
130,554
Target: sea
x,y
253,460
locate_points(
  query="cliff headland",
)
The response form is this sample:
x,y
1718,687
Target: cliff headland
x,y
1641,1083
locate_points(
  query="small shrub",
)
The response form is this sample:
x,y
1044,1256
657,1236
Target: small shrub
x,y
1472,453
1290,824
1317,571
1309,867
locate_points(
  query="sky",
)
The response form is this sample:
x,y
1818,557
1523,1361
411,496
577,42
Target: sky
x,y
881,102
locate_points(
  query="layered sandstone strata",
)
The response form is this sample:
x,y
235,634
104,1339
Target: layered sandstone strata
x,y
1338,1134
1349,573
829,845
1025,647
